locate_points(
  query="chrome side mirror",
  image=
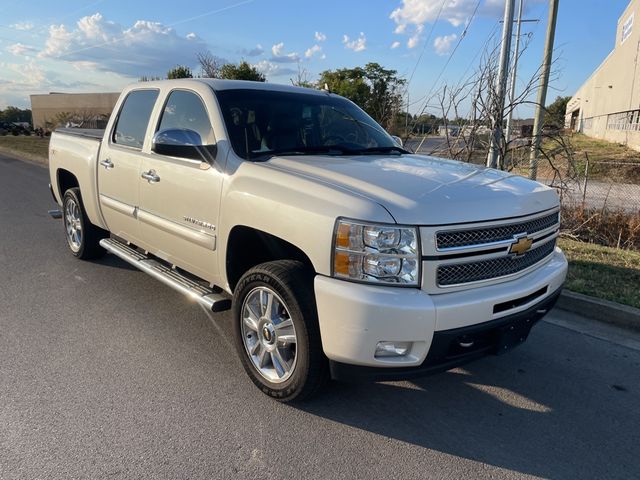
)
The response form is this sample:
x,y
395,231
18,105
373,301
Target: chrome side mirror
x,y
397,140
182,143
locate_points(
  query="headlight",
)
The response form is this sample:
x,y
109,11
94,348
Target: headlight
x,y
383,254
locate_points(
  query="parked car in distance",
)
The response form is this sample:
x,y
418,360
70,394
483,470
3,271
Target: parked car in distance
x,y
9,128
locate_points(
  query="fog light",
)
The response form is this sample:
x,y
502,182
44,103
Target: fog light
x,y
392,349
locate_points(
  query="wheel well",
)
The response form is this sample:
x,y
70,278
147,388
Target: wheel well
x,y
66,180
248,247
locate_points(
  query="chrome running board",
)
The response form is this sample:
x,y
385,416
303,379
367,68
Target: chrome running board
x,y
206,296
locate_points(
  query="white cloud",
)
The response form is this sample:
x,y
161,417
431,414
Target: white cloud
x,y
22,26
357,44
456,12
395,45
145,48
19,50
23,79
30,73
280,57
415,38
254,52
320,37
412,15
312,51
271,69
442,45
277,49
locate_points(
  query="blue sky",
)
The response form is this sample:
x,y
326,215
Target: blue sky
x,y
86,46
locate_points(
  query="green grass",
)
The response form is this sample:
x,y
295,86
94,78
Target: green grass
x,y
33,147
604,272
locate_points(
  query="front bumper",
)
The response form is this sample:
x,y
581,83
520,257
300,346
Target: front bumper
x,y
494,337
355,317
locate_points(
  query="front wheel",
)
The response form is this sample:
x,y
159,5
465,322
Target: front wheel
x,y
82,236
276,330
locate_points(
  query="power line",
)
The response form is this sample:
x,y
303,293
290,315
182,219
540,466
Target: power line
x,y
455,49
424,48
426,42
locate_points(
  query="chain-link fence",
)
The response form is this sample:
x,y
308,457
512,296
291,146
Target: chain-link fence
x,y
600,202
593,188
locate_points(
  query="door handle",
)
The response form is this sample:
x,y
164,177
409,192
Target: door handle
x,y
107,164
151,176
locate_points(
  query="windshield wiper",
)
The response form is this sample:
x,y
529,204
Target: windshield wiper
x,y
317,149
375,150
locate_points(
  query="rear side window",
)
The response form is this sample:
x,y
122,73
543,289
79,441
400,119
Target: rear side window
x,y
185,110
134,118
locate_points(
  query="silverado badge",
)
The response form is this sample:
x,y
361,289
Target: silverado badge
x,y
199,223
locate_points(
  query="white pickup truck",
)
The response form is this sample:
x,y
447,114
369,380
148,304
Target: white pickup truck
x,y
340,253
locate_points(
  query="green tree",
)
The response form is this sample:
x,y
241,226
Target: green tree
x,y
179,71
242,71
15,114
375,89
554,116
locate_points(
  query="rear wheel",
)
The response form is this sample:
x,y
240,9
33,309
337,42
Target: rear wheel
x,y
82,236
276,330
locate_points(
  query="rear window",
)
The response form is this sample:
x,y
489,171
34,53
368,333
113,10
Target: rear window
x,y
133,119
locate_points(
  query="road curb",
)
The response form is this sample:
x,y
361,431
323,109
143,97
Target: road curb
x,y
599,309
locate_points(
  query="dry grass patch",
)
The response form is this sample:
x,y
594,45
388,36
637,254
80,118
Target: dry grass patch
x,y
33,148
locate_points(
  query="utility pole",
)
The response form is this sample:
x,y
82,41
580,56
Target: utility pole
x,y
512,92
501,83
406,118
542,89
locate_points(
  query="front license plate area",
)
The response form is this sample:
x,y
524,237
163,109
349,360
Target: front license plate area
x,y
512,335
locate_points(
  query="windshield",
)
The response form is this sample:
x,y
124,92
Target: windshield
x,y
262,123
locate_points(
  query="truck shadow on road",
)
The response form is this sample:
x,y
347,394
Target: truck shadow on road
x,y
515,412
114,262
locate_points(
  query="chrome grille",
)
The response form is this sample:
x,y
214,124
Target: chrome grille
x,y
479,236
457,273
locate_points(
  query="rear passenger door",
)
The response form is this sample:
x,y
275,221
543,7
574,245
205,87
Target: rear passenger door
x,y
179,204
120,161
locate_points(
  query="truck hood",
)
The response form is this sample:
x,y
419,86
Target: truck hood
x,y
423,190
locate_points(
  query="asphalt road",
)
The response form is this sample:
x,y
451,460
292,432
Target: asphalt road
x,y
106,373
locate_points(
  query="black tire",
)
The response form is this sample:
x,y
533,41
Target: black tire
x,y
88,246
292,281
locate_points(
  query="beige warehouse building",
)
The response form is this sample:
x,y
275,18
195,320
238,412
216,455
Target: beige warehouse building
x,y
607,105
93,109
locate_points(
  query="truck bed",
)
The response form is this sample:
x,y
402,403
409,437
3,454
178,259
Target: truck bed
x,y
95,133
75,152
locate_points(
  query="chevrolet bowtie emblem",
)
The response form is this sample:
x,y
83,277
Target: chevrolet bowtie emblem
x,y
521,246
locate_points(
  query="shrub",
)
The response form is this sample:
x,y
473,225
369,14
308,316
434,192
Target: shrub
x,y
609,227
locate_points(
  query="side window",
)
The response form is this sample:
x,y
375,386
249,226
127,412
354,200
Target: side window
x,y
185,110
134,117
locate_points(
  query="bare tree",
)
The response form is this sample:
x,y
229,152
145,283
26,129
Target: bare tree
x,y
210,64
468,112
302,78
